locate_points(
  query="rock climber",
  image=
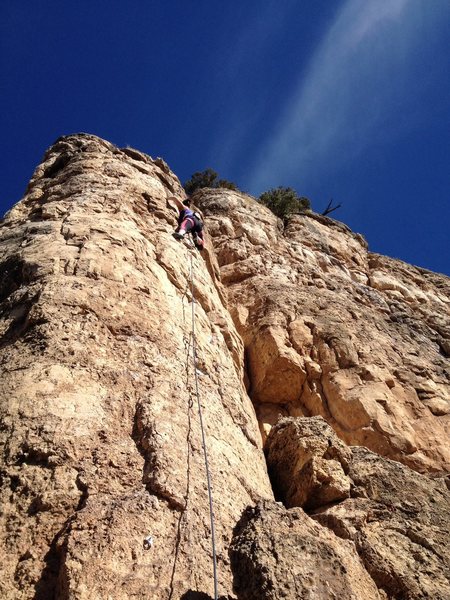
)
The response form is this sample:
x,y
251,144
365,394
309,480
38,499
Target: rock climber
x,y
189,221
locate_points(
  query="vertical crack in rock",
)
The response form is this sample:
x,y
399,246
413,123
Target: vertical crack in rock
x,y
47,585
183,513
146,439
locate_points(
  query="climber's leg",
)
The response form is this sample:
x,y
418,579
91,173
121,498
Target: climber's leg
x,y
199,240
186,226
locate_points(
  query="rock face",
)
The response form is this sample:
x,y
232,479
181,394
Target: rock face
x,y
331,329
101,442
402,538
308,464
284,554
103,488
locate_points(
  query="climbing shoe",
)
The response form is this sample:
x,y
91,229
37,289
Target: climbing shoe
x,y
198,242
179,235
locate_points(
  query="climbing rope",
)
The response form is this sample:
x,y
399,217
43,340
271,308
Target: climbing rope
x,y
205,453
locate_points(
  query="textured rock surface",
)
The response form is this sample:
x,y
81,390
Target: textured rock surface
x,y
308,463
281,554
99,432
100,435
331,329
398,519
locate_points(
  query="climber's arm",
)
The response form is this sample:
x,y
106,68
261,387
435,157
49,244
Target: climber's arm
x,y
172,201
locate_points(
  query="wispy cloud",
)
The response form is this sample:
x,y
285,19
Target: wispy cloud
x,y
353,92
258,30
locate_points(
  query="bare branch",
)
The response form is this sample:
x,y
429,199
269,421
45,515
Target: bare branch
x,y
329,209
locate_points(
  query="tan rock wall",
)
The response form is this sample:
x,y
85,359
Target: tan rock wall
x,y
396,519
284,554
333,330
100,433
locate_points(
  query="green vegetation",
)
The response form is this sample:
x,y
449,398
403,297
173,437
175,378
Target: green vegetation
x,y
284,202
207,179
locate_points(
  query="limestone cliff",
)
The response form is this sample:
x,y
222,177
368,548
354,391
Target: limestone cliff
x,y
100,435
331,329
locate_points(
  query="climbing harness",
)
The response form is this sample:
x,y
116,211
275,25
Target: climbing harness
x,y
205,453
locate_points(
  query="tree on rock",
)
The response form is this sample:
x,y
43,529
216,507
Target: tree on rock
x,y
284,202
207,179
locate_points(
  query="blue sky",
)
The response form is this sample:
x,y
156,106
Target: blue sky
x,y
342,99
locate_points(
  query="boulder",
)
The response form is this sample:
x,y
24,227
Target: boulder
x,y
308,464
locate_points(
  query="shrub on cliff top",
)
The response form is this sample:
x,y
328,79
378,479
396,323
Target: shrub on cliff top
x,y
207,179
284,202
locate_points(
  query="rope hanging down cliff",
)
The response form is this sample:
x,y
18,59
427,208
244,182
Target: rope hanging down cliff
x,y
205,453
